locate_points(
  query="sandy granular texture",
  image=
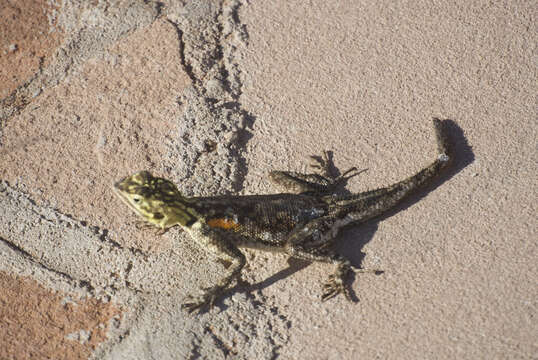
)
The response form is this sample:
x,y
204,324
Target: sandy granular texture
x,y
29,35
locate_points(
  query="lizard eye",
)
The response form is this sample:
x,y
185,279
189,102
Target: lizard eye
x,y
136,200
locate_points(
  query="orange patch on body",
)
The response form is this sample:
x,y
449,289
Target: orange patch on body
x,y
223,223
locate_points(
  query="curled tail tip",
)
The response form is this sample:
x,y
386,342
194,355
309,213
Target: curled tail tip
x,y
442,141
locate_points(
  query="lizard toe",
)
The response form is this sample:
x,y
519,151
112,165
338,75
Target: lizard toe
x,y
332,288
196,304
192,307
199,303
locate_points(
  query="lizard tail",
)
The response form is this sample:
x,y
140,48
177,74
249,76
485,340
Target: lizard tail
x,y
363,206
429,172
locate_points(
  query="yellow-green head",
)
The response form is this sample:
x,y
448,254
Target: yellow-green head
x,y
156,200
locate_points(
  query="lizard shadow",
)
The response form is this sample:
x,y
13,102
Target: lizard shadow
x,y
351,240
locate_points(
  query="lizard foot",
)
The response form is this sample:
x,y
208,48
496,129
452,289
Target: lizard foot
x,y
196,304
335,286
143,225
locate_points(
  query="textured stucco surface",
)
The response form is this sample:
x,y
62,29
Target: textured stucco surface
x,y
213,95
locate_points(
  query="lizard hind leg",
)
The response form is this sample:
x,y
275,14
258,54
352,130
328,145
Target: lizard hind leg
x,y
338,281
322,165
313,242
321,181
298,183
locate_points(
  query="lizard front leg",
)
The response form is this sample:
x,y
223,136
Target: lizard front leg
x,y
228,253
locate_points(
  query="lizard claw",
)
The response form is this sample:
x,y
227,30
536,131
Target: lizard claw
x,y
357,270
143,225
335,286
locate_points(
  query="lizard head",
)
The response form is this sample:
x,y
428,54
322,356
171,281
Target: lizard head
x,y
156,200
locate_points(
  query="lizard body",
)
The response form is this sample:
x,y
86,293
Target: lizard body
x,y
303,224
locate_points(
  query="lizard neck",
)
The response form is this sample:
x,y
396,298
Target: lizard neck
x,y
180,211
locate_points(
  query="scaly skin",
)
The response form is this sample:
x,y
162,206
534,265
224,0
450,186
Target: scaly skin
x,y
303,224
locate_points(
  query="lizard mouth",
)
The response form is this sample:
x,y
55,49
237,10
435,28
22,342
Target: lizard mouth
x,y
119,185
124,198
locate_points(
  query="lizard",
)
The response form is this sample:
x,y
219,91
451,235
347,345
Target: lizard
x,y
303,223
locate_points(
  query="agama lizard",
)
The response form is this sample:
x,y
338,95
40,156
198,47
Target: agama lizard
x,y
303,224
